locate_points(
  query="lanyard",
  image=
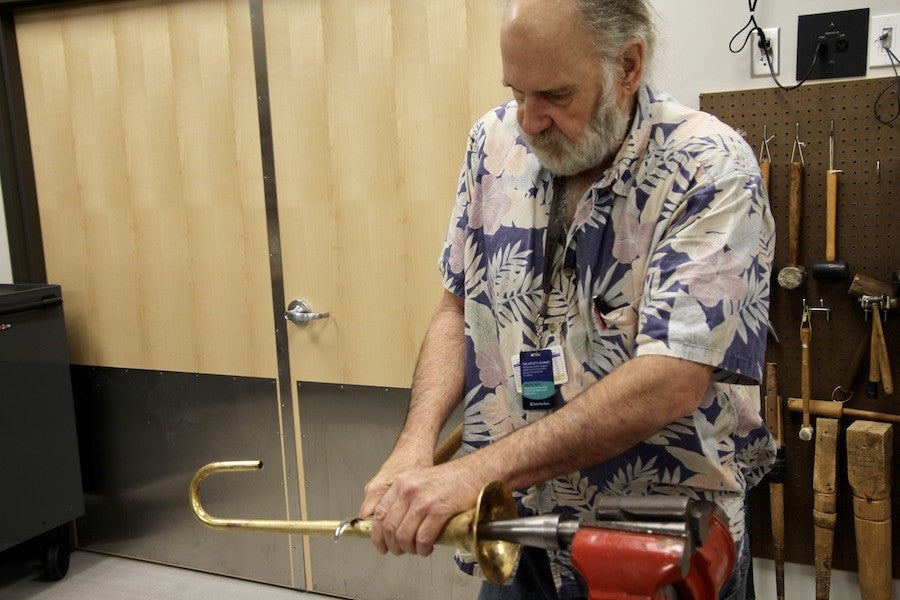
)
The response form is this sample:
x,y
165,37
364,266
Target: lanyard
x,y
554,230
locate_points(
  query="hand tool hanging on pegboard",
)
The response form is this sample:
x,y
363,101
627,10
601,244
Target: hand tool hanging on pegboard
x,y
830,267
825,501
869,464
792,275
765,160
776,477
876,297
806,430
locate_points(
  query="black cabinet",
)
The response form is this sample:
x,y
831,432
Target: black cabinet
x,y
40,475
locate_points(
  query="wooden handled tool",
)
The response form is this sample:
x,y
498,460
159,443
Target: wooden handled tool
x,y
835,410
765,160
831,268
825,501
869,463
848,384
831,187
868,286
879,363
447,448
806,430
791,276
881,356
874,363
776,477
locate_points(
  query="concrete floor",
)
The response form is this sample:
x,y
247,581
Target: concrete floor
x,y
94,576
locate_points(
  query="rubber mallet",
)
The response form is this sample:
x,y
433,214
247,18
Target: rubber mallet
x,y
831,268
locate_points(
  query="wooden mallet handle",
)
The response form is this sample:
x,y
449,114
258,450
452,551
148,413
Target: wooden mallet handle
x,y
869,463
792,275
806,429
765,169
447,448
831,190
884,364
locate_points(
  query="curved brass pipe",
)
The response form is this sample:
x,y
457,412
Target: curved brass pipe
x,y
495,558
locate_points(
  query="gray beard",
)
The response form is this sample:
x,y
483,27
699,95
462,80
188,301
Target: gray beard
x,y
599,142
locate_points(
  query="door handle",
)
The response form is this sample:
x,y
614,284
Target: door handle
x,y
298,312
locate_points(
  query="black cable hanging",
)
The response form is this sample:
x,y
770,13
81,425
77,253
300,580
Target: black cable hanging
x,y
751,27
894,85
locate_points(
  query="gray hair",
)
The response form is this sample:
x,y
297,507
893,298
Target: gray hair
x,y
614,22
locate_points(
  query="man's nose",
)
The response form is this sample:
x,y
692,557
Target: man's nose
x,y
533,117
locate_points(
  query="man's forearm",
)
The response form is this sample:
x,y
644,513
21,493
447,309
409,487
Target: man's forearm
x,y
626,407
438,379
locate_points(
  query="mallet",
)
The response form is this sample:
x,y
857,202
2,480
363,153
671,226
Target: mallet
x,y
831,268
792,275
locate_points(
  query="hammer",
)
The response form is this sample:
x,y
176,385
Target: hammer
x,y
792,275
830,268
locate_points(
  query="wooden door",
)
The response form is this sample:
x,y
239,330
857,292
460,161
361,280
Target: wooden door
x,y
371,106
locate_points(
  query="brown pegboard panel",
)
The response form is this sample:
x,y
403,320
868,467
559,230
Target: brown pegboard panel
x,y
868,217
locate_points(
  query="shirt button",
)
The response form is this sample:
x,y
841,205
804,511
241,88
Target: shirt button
x,y
568,272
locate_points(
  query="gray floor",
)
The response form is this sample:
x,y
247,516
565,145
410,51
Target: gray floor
x,y
94,576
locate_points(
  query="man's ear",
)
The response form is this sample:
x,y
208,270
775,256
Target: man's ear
x,y
631,61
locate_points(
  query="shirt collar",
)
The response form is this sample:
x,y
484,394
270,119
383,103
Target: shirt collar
x,y
620,175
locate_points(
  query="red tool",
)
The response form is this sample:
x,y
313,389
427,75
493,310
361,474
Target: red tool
x,y
639,548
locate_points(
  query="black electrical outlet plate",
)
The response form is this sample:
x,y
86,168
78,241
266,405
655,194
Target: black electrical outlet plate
x,y
841,41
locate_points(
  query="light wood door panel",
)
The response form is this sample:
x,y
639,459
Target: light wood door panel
x,y
145,139
371,105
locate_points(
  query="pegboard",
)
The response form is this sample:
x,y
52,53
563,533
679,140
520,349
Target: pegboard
x,y
868,215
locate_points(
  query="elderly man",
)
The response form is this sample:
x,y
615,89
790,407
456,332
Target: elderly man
x,y
622,239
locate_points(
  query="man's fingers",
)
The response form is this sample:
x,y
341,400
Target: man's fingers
x,y
378,515
390,526
427,534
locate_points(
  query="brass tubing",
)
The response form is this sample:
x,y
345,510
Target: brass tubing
x,y
496,558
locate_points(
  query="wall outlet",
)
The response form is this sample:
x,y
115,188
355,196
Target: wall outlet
x,y
879,25
759,66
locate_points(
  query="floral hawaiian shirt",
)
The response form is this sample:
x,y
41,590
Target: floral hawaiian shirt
x,y
669,253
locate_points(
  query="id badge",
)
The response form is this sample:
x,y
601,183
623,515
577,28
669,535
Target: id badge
x,y
536,373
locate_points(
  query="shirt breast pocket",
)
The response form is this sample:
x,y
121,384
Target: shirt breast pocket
x,y
613,333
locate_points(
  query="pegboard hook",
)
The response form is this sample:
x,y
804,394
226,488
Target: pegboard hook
x,y
808,310
798,147
764,147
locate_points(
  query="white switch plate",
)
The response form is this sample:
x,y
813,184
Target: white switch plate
x,y
878,57
759,65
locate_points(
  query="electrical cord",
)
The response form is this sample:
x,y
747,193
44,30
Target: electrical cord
x,y
763,43
764,46
895,86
